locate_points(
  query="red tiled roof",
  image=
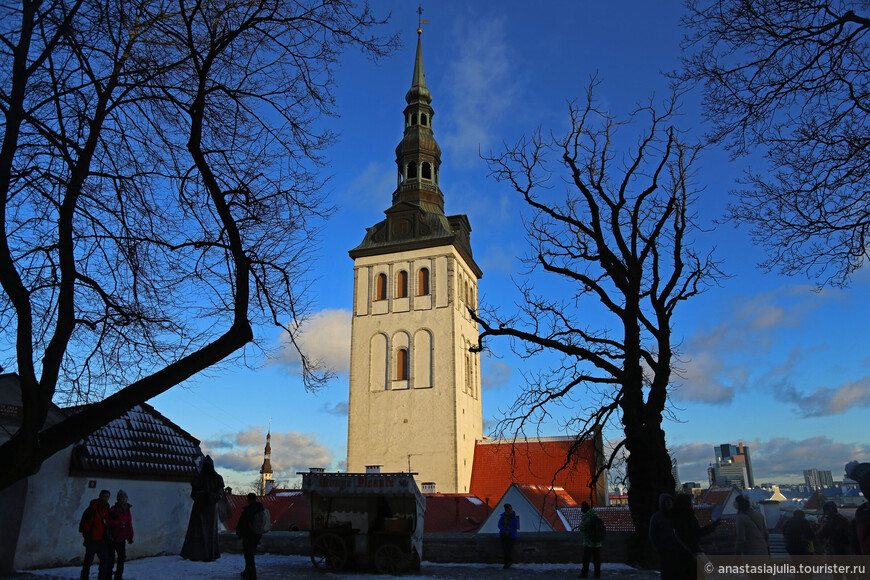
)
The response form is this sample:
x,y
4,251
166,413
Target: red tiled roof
x,y
716,495
500,462
287,510
448,513
141,443
618,518
547,501
816,501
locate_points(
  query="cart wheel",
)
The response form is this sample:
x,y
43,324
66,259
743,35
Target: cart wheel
x,y
389,559
328,553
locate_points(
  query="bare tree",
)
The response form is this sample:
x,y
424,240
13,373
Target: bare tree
x,y
159,192
616,241
791,77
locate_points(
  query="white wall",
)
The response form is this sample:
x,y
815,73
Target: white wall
x,y
55,501
531,519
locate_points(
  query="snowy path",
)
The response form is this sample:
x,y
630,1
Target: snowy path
x,y
270,567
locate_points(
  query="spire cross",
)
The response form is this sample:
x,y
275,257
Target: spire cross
x,y
420,21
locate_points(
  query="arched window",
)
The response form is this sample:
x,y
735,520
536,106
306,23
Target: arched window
x,y
381,287
414,119
412,170
422,118
402,285
423,282
427,170
402,364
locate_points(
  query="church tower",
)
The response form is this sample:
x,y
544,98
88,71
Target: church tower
x,y
414,386
266,483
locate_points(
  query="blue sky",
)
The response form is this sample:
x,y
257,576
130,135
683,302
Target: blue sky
x,y
767,360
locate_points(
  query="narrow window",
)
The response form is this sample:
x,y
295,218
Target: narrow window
x,y
422,118
402,364
427,170
412,170
423,282
381,287
402,285
414,119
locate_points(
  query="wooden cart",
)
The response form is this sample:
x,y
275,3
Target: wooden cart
x,y
361,520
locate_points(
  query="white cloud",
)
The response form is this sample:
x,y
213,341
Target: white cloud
x,y
827,400
778,459
373,186
495,374
291,451
482,87
325,340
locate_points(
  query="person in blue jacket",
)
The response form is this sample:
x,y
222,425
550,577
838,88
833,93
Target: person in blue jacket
x,y
508,526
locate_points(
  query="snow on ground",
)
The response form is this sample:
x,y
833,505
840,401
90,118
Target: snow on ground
x,y
272,566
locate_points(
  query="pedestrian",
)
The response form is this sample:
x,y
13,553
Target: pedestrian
x,y
688,532
752,535
250,538
93,526
120,532
663,539
835,532
860,472
798,533
592,528
508,530
201,540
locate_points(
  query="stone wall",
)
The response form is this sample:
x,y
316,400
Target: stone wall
x,y
552,547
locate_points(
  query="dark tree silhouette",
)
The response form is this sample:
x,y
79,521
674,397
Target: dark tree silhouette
x,y
791,77
159,190
611,225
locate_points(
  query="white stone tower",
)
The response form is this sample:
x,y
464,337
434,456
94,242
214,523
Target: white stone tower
x,y
414,385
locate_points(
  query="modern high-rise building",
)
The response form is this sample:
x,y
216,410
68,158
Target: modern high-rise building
x,y
815,478
733,466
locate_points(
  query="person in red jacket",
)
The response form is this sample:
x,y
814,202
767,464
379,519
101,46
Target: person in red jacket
x,y
120,532
93,527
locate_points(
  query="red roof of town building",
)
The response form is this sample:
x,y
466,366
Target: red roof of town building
x,y
548,500
500,462
448,513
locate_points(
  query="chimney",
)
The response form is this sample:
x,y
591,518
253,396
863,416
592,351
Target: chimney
x,y
427,487
373,468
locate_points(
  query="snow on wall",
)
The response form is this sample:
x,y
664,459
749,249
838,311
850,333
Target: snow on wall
x,y
49,533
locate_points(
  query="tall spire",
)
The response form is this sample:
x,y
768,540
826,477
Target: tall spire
x,y
418,156
265,485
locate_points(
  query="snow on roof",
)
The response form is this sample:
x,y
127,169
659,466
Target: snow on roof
x,y
141,443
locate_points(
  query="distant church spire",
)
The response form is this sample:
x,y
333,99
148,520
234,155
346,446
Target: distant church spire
x,y
266,482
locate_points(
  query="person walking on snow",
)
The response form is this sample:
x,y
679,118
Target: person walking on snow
x,y
93,527
120,532
591,542
508,528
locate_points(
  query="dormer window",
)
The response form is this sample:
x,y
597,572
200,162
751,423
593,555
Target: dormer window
x,y
381,287
402,285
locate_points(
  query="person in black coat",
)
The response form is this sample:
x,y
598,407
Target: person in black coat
x,y
250,539
798,534
688,532
201,540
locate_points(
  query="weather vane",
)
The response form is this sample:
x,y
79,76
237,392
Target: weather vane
x,y
420,21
